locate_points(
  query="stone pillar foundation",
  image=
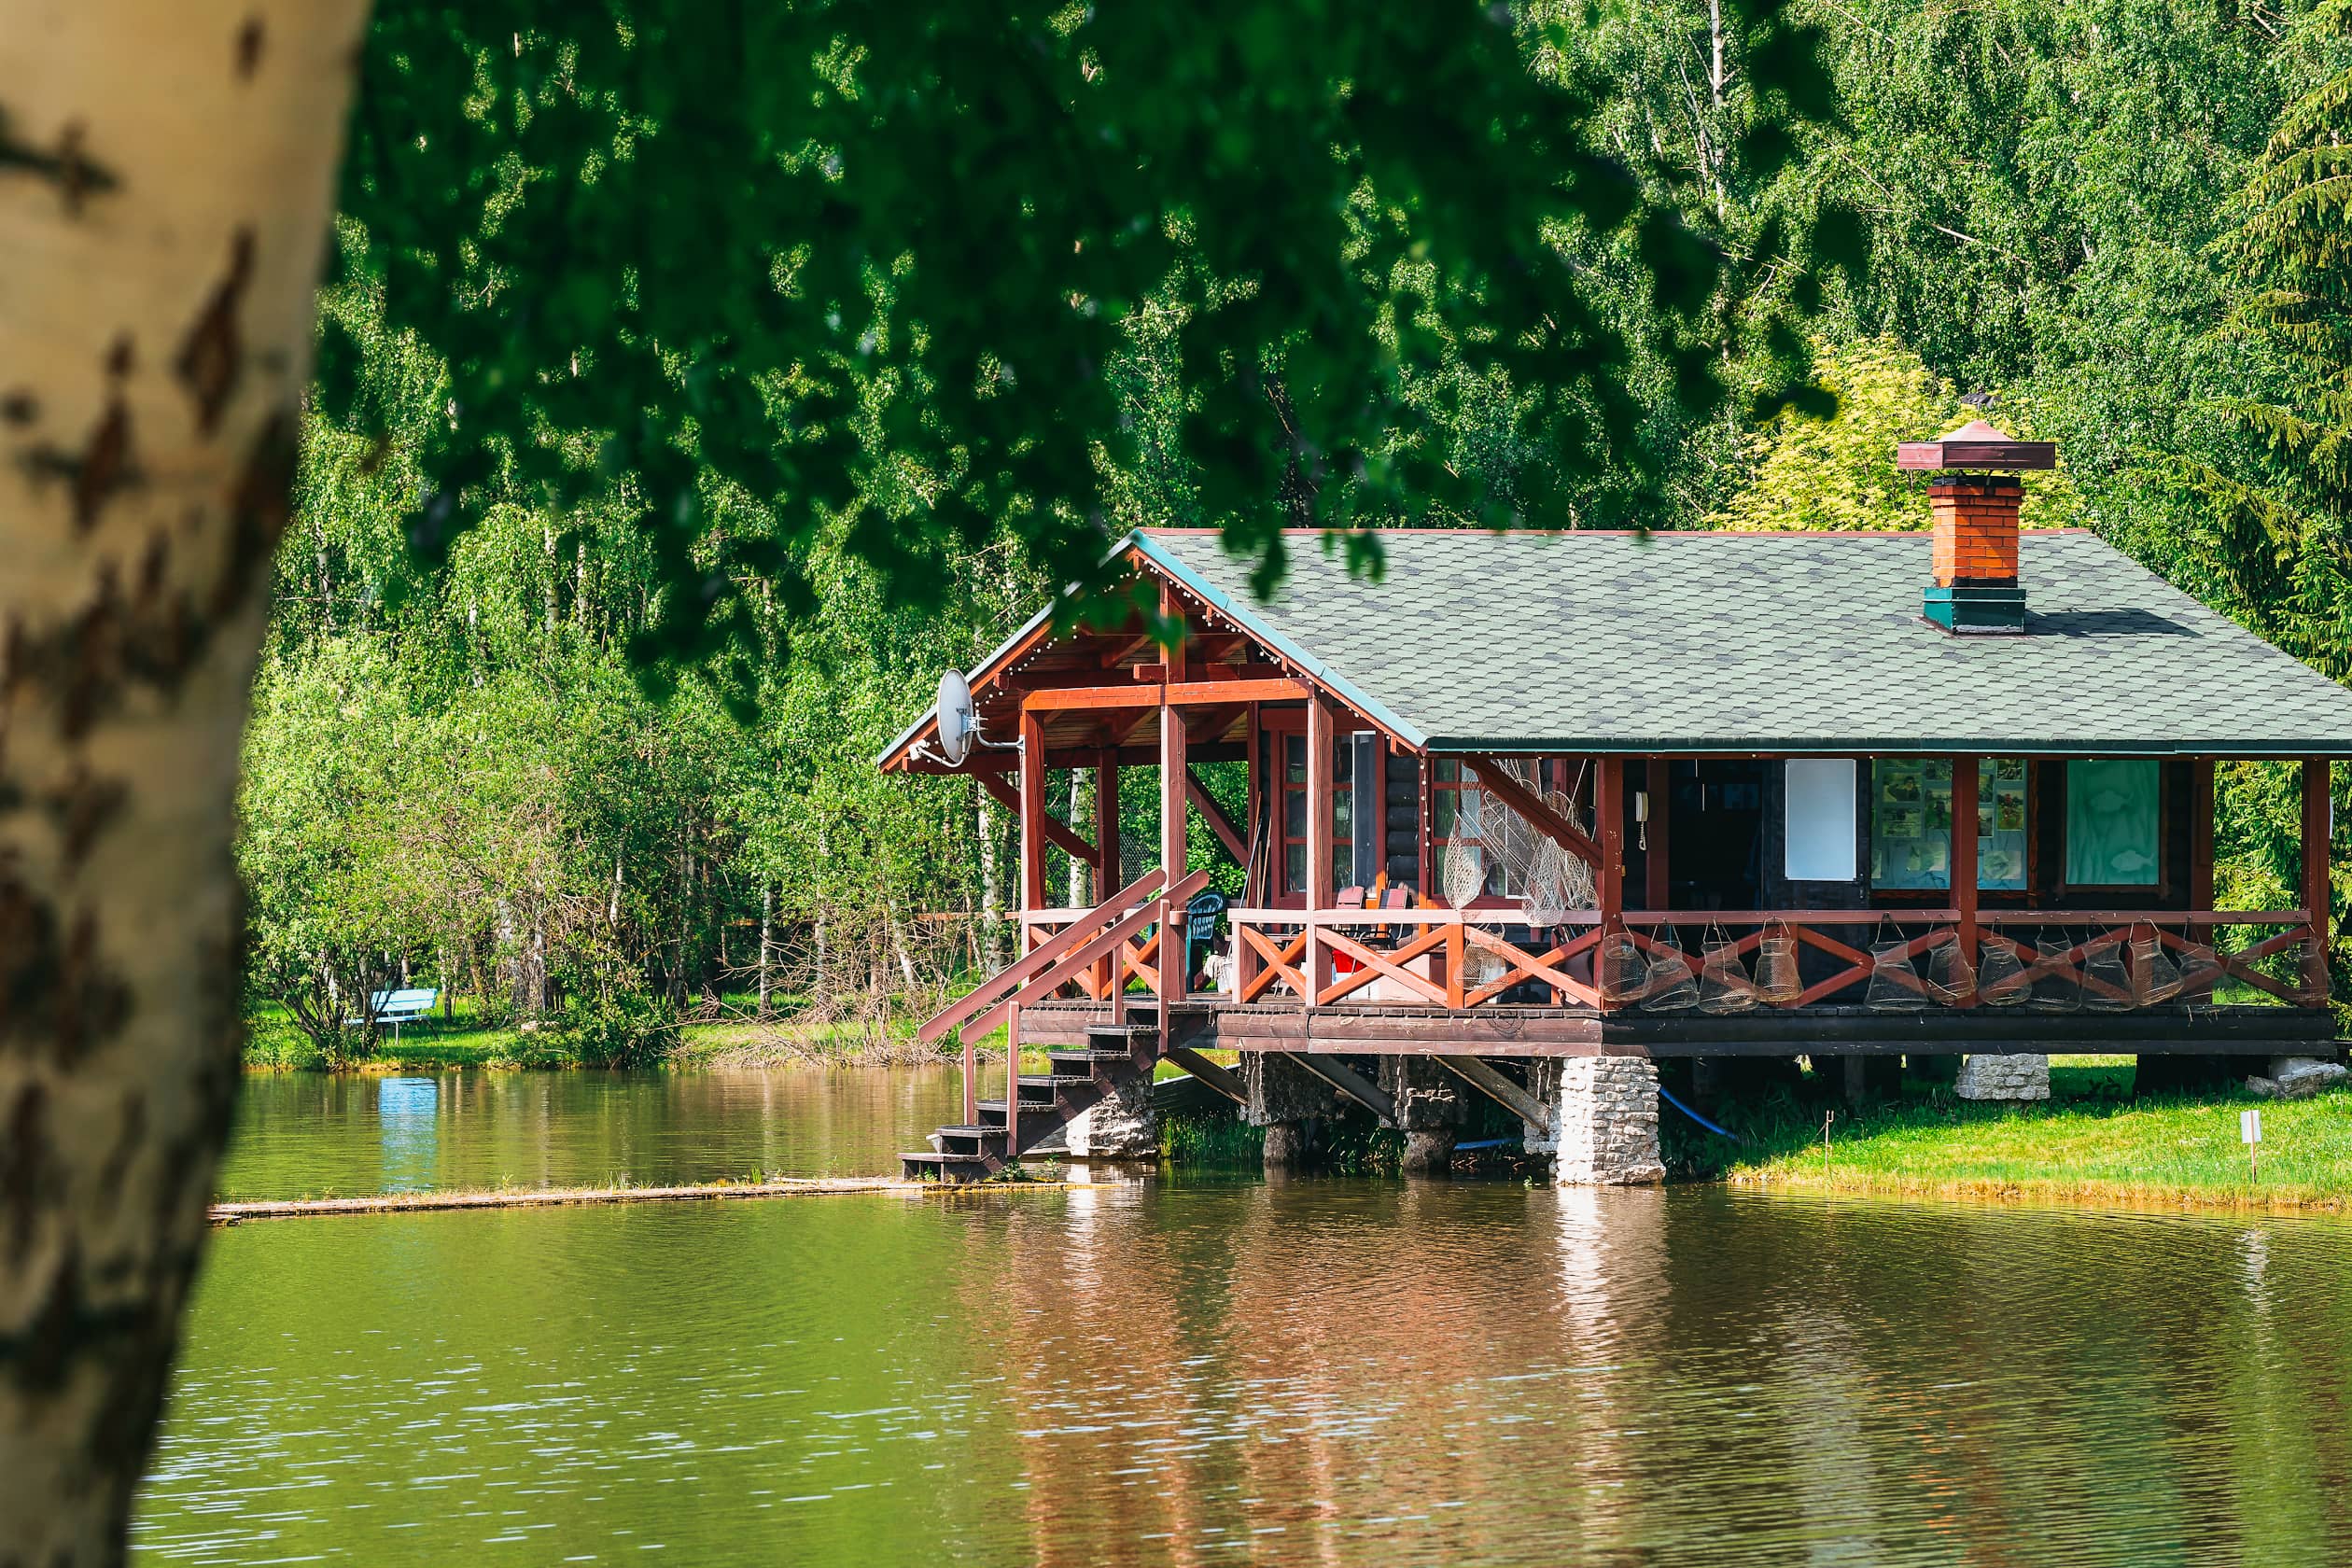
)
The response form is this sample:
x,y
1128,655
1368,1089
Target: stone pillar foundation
x,y
1123,1126
1608,1123
2005,1077
1429,1151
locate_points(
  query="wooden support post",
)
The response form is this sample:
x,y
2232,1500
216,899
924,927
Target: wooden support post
x,y
1962,858
1319,800
1501,1090
2201,833
1253,752
1657,864
2317,893
1350,1083
1033,813
1173,849
1107,880
1608,826
1032,897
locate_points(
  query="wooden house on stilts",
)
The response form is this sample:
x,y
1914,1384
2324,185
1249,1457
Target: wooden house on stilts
x,y
1533,811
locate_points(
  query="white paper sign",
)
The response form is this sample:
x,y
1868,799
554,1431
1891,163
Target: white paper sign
x,y
1819,793
2249,1127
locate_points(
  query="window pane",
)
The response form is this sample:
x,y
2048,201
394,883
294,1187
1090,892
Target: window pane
x,y
1471,801
1294,869
1294,813
1820,819
1911,822
1441,807
2111,823
1449,772
1343,762
1295,758
2001,803
1343,816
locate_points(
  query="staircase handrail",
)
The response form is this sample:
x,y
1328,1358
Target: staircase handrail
x,y
1014,975
1166,910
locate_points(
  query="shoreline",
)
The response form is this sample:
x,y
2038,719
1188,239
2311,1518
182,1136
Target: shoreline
x,y
2051,1191
239,1212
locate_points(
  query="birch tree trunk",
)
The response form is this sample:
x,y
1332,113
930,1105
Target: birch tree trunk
x,y
991,883
767,945
166,178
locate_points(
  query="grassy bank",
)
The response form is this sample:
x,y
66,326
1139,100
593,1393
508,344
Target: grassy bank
x,y
2091,1142
797,1036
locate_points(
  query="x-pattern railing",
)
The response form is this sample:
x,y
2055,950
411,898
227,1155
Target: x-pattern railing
x,y
1417,956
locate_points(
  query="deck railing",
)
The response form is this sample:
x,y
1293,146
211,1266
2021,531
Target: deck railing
x,y
1461,959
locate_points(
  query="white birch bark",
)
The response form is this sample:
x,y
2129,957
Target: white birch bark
x,y
163,216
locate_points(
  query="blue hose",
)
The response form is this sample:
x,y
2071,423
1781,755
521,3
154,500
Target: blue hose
x,y
1696,1118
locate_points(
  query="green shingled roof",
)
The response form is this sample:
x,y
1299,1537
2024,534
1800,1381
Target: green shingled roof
x,y
1790,642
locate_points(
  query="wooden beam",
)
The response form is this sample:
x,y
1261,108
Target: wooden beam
x,y
2317,893
1033,813
1657,861
1056,832
1349,1082
1106,859
1962,858
1529,805
1608,817
1174,775
2201,833
1171,605
1174,694
1124,648
1501,1090
1253,744
1320,891
1218,1078
1214,814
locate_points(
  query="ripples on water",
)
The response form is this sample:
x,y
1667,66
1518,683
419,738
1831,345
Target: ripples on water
x,y
1324,1371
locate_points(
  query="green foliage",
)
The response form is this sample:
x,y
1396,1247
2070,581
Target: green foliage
x,y
624,1029
1839,473
880,279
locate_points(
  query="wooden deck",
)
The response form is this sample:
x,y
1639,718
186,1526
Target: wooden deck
x,y
1205,1024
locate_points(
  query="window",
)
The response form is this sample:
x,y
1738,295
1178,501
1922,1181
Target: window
x,y
1820,819
2113,821
1293,811
1910,823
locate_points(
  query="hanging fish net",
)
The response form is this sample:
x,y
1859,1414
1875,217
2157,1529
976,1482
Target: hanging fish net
x,y
1621,968
1671,986
2199,969
1895,984
1998,969
2057,990
2107,984
2155,978
1951,979
1462,875
1724,986
1778,979
1548,878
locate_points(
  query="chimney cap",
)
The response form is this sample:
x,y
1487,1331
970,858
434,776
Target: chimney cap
x,y
1975,445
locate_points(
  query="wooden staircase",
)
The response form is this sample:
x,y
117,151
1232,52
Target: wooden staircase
x,y
993,1133
1115,1057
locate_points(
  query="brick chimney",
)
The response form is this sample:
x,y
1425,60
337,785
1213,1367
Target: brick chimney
x,y
1974,499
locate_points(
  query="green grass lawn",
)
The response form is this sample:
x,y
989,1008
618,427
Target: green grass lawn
x,y
2091,1142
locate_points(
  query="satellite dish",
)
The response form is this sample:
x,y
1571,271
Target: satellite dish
x,y
955,718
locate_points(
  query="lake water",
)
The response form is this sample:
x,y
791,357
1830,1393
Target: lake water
x,y
1200,1370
